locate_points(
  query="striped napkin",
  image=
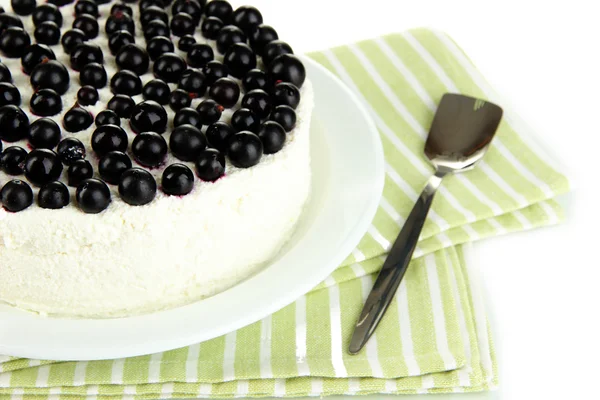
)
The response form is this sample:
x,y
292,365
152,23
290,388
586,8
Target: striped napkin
x,y
435,337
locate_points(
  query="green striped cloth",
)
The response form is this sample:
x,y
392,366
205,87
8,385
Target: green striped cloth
x,y
435,338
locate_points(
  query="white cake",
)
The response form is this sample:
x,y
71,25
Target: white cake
x,y
175,250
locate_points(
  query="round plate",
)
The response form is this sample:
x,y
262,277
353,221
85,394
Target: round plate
x,y
348,171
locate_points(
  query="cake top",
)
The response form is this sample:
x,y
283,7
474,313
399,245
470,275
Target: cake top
x,y
224,95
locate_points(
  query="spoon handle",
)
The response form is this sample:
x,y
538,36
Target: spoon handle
x,y
394,267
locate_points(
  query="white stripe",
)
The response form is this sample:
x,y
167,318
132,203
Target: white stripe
x,y
116,376
229,357
5,379
243,387
378,237
34,363
54,393
498,180
316,386
496,225
552,216
522,220
390,386
205,390
17,394
335,313
358,255
371,346
437,307
80,372
92,392
279,390
154,368
471,233
402,184
358,270
43,374
405,331
166,392
301,361
129,392
426,383
391,211
5,359
479,195
445,240
265,348
469,216
191,363
353,386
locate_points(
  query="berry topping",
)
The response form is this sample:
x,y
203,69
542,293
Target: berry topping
x,y
16,196
122,105
42,166
225,91
169,67
54,195
108,138
86,7
23,7
156,90
211,27
240,59
14,41
126,82
93,196
191,7
50,74
186,42
182,24
177,180
149,149
47,12
137,187
199,55
134,58
148,116
34,55
60,3
79,171
71,39
210,165
9,94
119,21
70,150
193,81
45,103
158,46
247,17
284,116
229,35
86,53
260,36
153,13
119,39
179,99
47,33
8,20
220,9
286,94
5,75
77,119
218,135
245,120
272,135
274,49
87,96
187,116
44,133
213,71
112,165
156,28
187,142
287,68
209,111
14,124
107,117
12,160
259,102
94,75
121,8
87,24
244,149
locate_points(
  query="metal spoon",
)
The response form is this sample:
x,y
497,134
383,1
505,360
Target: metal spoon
x,y
460,134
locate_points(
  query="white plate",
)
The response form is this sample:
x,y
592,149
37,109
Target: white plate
x,y
348,173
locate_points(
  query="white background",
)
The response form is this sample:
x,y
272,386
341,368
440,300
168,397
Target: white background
x,y
542,286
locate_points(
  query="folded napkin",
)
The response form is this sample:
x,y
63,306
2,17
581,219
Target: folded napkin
x,y
435,336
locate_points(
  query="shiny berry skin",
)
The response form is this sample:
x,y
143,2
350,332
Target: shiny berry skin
x,y
16,195
119,39
14,41
93,196
121,104
87,96
210,165
42,166
259,102
50,74
260,36
218,135
225,91
119,22
186,42
77,119
287,68
156,28
182,24
149,149
286,94
45,103
211,26
112,165
107,117
93,75
86,53
156,90
47,33
86,7
220,9
14,124
199,55
134,58
177,180
246,18
284,116
245,120
5,75
244,149
213,71
158,46
193,81
229,35
210,112
145,4
47,12
187,142
169,67
60,3
44,133
274,49
179,99
9,94
122,8
153,13
88,25
187,116
191,7
126,82
71,38
108,138
8,20
272,135
70,150
12,160
79,171
35,55
137,187
23,7
148,116
53,196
